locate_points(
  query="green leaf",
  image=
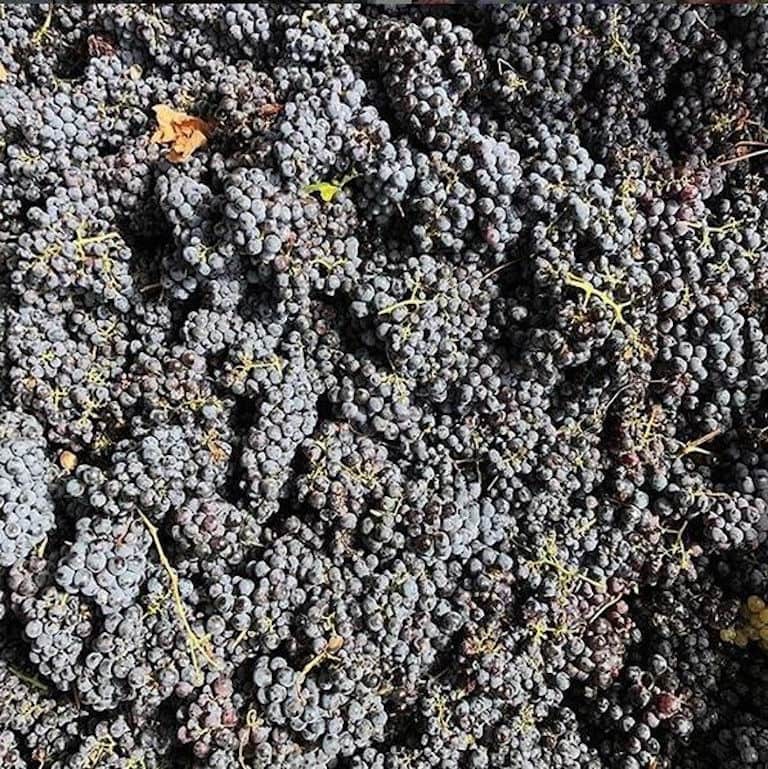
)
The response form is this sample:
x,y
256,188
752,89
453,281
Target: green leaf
x,y
328,190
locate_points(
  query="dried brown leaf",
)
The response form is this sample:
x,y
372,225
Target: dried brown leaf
x,y
270,110
3,74
185,133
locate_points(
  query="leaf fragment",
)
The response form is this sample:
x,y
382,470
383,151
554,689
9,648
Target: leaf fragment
x,y
270,110
3,74
185,133
328,190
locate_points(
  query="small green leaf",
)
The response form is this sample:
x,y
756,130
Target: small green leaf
x,y
328,190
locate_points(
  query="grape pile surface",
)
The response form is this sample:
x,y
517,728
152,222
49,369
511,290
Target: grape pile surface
x,y
383,386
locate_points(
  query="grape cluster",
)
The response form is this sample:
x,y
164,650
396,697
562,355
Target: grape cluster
x,y
27,507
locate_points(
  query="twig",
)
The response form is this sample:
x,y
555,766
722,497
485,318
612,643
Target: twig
x,y
605,298
195,641
399,305
498,269
31,680
412,301
335,643
702,22
252,722
40,34
604,608
694,447
738,159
